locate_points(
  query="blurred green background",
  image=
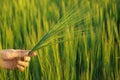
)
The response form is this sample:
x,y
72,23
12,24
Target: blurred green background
x,y
91,56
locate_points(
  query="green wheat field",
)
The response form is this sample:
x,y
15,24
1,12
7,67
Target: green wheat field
x,y
73,39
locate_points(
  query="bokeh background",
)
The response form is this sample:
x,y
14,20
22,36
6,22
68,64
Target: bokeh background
x,y
94,55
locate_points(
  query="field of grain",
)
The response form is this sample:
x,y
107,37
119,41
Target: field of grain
x,y
84,43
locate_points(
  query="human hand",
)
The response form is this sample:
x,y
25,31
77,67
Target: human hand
x,y
11,59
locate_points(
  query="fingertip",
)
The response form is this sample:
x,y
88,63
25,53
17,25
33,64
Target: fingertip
x,y
33,54
21,68
27,58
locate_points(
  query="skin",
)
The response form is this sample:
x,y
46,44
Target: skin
x,y
11,59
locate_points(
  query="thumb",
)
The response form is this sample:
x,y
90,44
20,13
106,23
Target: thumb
x,y
11,54
20,53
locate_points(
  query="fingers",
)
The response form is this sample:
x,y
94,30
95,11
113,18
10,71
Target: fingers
x,y
27,59
21,68
22,64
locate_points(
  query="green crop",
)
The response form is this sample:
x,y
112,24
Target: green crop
x,y
73,39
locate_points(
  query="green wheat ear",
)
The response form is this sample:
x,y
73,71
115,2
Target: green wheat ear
x,y
72,17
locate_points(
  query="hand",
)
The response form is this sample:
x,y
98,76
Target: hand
x,y
11,59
